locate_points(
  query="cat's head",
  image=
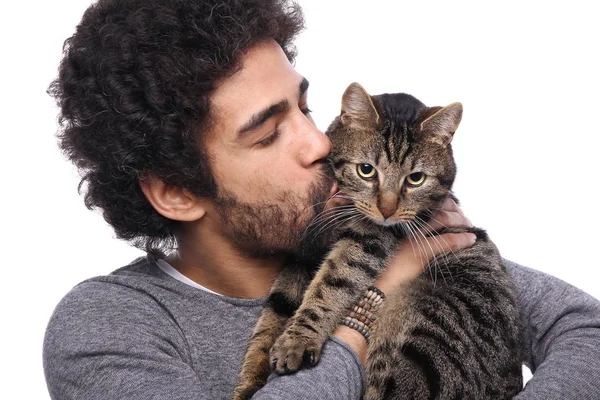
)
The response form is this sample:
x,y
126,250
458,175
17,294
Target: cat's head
x,y
391,154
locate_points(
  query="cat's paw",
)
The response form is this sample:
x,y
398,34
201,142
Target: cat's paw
x,y
294,349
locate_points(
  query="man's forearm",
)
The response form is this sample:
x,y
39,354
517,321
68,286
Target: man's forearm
x,y
562,337
339,375
562,348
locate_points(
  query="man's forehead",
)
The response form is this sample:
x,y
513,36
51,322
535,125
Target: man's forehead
x,y
266,77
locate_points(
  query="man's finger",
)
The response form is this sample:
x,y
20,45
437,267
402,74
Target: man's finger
x,y
436,245
450,205
449,219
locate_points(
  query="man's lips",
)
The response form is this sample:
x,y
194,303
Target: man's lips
x,y
334,189
337,198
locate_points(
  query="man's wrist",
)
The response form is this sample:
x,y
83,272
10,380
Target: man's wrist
x,y
354,339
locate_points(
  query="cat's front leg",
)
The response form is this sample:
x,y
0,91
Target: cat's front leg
x,y
256,369
350,268
285,297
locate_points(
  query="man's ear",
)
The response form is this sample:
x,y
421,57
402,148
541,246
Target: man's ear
x,y
171,201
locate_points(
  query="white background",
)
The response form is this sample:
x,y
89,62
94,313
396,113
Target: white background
x,y
525,71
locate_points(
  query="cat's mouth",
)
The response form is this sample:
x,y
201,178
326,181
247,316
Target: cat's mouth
x,y
393,222
402,218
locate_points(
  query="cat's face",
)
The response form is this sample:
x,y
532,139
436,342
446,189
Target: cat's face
x,y
391,155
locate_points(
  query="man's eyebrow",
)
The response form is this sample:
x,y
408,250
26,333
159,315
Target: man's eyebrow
x,y
303,86
262,116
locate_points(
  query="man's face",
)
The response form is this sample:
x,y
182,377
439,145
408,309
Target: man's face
x,y
267,156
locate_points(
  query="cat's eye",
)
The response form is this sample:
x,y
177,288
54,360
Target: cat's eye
x,y
416,179
366,171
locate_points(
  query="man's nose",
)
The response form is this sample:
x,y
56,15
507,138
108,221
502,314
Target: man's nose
x,y
316,144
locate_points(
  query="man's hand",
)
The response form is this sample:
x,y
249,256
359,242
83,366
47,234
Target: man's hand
x,y
414,254
411,258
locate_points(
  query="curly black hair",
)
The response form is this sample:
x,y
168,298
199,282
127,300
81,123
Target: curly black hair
x,y
133,89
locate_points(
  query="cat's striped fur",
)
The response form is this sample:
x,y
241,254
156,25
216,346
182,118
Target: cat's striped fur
x,y
454,332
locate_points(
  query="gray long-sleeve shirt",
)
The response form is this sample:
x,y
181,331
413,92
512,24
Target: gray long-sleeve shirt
x,y
141,334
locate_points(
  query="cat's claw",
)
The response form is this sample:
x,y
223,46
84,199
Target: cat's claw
x,y
291,352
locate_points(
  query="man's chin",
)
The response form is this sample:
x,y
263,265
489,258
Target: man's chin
x,y
267,246
280,229
260,253
303,247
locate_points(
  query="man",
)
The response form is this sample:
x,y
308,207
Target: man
x,y
193,135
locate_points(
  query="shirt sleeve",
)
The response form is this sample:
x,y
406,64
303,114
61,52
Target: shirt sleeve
x,y
561,337
105,341
340,376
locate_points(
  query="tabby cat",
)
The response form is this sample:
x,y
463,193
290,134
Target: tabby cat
x,y
454,332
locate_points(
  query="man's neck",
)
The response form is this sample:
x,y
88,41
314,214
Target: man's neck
x,y
216,264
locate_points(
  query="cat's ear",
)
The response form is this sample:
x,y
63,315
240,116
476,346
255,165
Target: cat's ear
x,y
440,127
357,106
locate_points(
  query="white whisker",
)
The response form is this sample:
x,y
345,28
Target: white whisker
x,y
419,247
408,235
437,239
427,227
328,212
325,219
339,218
434,260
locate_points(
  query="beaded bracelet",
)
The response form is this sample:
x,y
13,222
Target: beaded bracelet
x,y
362,316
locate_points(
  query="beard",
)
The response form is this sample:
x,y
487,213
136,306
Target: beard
x,y
278,227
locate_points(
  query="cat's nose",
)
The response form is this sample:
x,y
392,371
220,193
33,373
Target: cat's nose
x,y
387,212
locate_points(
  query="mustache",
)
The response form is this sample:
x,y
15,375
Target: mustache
x,y
327,173
319,191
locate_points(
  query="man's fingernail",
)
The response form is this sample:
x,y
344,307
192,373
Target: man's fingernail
x,y
472,238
